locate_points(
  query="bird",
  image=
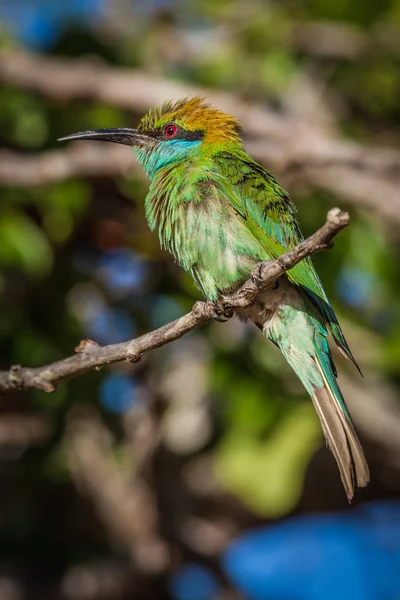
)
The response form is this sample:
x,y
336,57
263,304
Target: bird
x,y
220,213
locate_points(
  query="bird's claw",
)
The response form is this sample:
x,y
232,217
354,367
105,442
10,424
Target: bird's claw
x,y
257,276
220,311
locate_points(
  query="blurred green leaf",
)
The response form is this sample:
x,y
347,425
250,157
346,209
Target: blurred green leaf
x,y
23,245
23,118
61,205
268,474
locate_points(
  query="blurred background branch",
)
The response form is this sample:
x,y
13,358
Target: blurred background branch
x,y
125,504
299,150
328,39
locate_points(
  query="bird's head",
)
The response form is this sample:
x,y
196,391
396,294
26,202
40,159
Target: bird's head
x,y
172,132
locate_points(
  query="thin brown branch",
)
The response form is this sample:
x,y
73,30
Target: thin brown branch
x,y
92,356
366,176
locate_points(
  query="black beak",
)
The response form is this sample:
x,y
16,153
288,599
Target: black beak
x,y
128,137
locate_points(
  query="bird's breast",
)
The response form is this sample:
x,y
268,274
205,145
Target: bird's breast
x,y
208,239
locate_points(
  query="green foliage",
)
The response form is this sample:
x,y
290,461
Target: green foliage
x,y
24,245
61,206
23,119
268,474
349,11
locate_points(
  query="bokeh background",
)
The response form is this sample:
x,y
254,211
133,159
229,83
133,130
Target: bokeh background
x,y
199,473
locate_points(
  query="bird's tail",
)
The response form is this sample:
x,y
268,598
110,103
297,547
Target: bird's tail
x,y
302,339
339,431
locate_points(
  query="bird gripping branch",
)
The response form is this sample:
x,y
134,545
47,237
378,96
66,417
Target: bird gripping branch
x,y
220,213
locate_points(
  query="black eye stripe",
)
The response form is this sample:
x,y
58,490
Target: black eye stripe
x,y
190,135
181,134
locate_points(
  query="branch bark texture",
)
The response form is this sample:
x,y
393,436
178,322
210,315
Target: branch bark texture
x,y
89,355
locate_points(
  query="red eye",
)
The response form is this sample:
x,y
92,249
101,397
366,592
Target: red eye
x,y
170,131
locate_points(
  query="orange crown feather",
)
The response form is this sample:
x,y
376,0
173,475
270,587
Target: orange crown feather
x,y
193,114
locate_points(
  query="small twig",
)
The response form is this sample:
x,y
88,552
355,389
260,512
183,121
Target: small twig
x,y
91,356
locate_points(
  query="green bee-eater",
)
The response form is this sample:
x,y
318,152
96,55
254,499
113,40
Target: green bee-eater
x,y
219,213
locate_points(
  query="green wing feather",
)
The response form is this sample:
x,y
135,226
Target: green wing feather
x,y
270,215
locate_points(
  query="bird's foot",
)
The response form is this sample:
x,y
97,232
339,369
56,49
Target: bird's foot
x,y
257,276
221,311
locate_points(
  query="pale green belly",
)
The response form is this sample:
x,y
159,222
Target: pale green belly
x,y
222,250
208,239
